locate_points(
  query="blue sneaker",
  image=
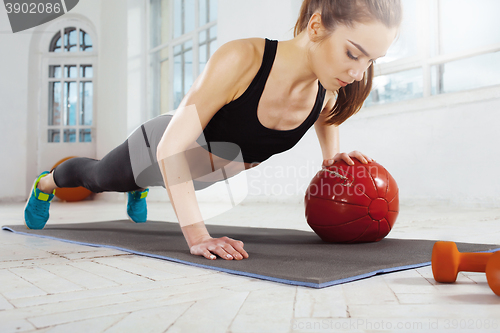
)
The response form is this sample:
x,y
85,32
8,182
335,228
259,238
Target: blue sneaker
x,y
36,211
137,209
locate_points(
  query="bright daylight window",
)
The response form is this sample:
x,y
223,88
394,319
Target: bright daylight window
x,y
444,46
70,86
183,36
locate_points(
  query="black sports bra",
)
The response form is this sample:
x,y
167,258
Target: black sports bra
x,y
237,122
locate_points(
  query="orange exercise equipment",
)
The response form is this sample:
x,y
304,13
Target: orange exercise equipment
x,y
447,262
493,272
71,194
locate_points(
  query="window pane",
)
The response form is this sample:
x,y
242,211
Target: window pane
x,y
470,73
55,43
85,135
69,135
396,87
203,12
208,11
213,39
406,42
213,32
183,17
86,99
206,50
188,66
86,71
213,10
70,39
213,47
165,87
178,75
160,83
55,71
85,42
70,71
202,37
203,57
70,103
160,22
178,19
468,24
188,15
54,136
154,88
183,70
54,103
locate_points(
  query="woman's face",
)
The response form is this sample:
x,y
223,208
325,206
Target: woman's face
x,y
344,56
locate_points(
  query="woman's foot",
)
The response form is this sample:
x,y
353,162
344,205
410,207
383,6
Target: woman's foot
x,y
137,209
36,211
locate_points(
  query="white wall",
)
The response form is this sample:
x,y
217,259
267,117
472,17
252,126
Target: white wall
x,y
112,77
137,47
14,54
443,150
257,18
20,90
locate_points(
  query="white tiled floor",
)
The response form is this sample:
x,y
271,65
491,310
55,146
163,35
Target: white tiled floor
x,y
52,286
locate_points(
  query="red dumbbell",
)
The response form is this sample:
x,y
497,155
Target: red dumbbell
x,y
447,262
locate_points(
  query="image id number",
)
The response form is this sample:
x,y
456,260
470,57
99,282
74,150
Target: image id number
x,y
33,8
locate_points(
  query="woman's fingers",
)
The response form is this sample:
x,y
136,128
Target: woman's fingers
x,y
348,158
233,250
224,247
361,157
344,157
238,246
327,163
207,254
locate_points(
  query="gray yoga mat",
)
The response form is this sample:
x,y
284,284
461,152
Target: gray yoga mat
x,y
281,255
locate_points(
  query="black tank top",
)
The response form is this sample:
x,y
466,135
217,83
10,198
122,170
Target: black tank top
x,y
237,121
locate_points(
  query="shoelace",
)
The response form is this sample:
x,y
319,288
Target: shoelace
x,y
41,208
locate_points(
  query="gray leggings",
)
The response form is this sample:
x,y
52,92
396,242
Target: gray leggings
x,y
129,167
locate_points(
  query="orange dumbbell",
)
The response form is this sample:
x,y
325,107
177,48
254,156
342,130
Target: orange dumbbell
x,y
493,272
447,262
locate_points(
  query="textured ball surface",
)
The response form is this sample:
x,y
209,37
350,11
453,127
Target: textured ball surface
x,y
352,203
71,194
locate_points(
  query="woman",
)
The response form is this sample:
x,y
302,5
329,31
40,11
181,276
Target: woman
x,y
257,96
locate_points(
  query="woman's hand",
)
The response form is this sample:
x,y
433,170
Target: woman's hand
x,y
224,247
347,158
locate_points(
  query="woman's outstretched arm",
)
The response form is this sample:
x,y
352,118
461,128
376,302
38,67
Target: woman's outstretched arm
x,y
225,74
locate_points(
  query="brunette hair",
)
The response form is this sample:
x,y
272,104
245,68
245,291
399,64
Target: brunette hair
x,y
350,98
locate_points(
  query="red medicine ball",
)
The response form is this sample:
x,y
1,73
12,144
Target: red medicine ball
x,y
352,203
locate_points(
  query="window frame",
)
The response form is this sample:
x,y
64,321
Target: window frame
x,y
153,101
77,58
425,60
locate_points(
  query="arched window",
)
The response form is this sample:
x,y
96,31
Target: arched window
x,y
71,43
70,79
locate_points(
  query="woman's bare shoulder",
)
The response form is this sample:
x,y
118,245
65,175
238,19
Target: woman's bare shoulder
x,y
237,62
244,48
239,54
